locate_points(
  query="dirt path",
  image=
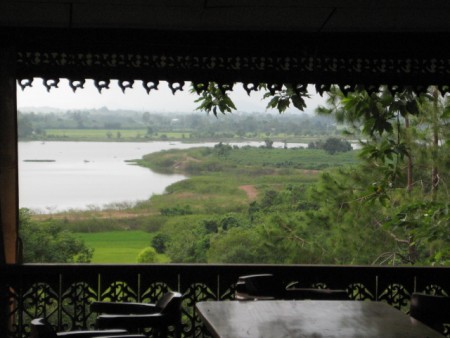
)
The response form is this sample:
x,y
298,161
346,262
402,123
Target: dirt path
x,y
250,190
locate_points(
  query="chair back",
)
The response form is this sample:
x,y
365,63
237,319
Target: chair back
x,y
40,328
260,286
431,310
315,294
170,304
266,286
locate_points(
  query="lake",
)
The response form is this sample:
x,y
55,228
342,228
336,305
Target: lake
x,y
58,176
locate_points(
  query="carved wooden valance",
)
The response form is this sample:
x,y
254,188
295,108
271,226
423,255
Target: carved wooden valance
x,y
348,60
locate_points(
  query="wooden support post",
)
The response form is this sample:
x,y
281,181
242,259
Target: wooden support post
x,y
9,196
8,176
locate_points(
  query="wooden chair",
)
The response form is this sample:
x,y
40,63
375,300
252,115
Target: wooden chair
x,y
267,286
40,328
431,310
294,292
258,287
138,316
315,294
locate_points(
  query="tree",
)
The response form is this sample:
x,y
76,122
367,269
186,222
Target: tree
x,y
268,143
159,242
46,243
215,99
377,117
391,126
24,127
222,150
433,129
334,145
236,246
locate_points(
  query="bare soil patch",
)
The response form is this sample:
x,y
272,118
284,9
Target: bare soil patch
x,y
250,190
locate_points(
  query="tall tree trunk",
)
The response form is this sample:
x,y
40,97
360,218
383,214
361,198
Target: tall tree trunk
x,y
435,142
434,169
412,250
409,165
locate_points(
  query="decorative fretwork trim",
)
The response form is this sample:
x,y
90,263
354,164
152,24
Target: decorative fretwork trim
x,y
199,87
347,73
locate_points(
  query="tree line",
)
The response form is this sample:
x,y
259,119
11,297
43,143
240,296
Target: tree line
x,y
197,125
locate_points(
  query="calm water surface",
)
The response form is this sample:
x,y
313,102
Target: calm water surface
x,y
85,175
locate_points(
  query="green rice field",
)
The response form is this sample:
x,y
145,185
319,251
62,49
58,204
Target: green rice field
x,y
116,246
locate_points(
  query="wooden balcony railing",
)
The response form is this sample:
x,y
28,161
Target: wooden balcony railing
x,y
62,293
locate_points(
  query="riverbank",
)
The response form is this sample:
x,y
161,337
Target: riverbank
x,y
222,189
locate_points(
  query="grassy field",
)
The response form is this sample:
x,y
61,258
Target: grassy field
x,y
111,135
132,135
197,160
116,246
291,158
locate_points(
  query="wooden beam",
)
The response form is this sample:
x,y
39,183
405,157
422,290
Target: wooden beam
x,y
8,157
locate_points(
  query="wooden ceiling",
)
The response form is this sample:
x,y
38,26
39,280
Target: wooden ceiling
x,y
231,15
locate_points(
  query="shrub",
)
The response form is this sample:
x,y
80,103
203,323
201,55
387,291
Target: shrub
x,y
148,255
334,145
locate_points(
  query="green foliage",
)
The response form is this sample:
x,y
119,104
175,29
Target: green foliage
x,y
214,98
89,223
331,145
24,127
177,210
335,145
151,224
253,161
401,131
425,229
159,242
281,98
236,246
377,118
119,246
45,243
187,244
148,255
268,143
222,149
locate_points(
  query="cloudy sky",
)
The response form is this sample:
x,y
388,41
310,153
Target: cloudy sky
x,y
136,98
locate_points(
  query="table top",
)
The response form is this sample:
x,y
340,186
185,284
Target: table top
x,y
308,318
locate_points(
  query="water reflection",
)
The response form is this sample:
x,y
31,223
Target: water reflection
x,y
56,176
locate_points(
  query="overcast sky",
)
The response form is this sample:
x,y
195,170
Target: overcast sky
x,y
161,100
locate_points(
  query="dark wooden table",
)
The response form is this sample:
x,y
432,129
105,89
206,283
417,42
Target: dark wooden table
x,y
277,319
